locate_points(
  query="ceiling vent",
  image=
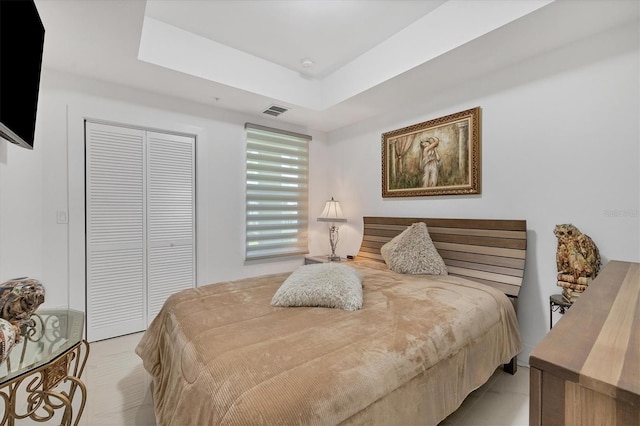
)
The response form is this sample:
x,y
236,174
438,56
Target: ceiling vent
x,y
275,110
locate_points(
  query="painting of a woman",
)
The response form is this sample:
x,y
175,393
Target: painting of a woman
x,y
429,161
435,157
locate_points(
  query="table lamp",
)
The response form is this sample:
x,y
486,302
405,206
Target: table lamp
x,y
332,213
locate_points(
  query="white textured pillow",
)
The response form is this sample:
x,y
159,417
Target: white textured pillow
x,y
329,285
413,252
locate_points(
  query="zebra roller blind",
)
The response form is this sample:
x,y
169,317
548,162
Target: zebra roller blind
x,y
277,197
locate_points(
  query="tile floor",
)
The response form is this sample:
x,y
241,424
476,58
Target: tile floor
x,y
503,400
119,392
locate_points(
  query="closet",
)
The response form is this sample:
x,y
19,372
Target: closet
x,y
140,225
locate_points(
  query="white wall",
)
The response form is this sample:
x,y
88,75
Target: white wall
x,y
560,137
35,185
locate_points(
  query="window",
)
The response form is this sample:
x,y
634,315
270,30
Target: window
x,y
277,192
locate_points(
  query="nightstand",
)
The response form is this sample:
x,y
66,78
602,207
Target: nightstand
x,y
309,260
559,304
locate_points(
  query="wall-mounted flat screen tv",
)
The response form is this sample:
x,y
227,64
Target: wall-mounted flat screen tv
x,y
21,44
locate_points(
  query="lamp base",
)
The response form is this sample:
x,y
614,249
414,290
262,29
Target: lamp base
x,y
334,258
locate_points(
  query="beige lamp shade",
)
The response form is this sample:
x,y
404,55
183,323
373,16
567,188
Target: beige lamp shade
x,y
332,212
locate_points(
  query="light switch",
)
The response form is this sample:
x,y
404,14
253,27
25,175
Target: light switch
x,y
61,217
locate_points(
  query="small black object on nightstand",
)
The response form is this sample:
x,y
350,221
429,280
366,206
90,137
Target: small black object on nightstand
x,y
559,304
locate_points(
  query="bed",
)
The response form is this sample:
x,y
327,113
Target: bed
x,y
221,354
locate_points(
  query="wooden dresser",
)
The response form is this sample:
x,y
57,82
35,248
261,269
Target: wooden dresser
x,y
586,371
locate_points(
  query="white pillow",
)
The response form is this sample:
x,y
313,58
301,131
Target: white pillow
x,y
329,285
413,252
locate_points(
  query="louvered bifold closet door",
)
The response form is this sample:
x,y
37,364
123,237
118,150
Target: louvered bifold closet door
x,y
171,230
115,226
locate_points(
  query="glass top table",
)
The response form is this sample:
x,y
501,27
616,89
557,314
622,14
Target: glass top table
x,y
46,366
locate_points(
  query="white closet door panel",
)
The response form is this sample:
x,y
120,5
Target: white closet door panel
x,y
171,270
171,187
115,186
116,295
171,218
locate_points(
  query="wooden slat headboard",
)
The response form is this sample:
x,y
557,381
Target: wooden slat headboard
x,y
484,250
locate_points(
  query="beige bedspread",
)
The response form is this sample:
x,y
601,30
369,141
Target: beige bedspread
x,y
220,354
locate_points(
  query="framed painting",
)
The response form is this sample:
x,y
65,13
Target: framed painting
x,y
436,157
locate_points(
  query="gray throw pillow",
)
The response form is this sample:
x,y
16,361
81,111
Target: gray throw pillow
x,y
329,285
413,252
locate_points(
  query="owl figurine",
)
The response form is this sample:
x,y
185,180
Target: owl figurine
x,y
577,254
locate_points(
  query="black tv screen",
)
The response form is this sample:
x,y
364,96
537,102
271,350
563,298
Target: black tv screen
x,y
21,44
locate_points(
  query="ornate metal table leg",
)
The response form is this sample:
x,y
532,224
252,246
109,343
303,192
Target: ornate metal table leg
x,y
80,357
43,400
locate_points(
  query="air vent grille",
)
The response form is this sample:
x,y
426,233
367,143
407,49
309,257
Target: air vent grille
x,y
275,110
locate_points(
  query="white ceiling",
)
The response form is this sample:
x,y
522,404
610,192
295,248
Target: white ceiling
x,y
331,33
369,56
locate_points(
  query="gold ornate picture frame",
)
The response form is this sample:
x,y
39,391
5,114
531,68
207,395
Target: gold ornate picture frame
x,y
436,157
